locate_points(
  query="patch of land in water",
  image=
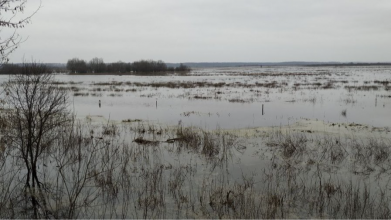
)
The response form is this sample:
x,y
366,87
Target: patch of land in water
x,y
318,127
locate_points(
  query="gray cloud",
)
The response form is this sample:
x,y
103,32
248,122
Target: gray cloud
x,y
205,30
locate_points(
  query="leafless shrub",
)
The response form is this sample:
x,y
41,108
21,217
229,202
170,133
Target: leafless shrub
x,y
151,191
208,145
380,150
292,144
110,129
188,138
39,110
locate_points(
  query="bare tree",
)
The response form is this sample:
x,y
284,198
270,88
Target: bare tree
x,y
9,9
97,65
50,166
77,65
37,111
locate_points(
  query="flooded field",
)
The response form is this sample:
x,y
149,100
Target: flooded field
x,y
245,142
233,97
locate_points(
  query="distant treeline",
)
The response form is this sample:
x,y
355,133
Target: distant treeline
x,y
97,66
11,69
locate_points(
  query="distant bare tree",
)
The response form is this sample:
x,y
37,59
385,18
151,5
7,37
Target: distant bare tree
x,y
182,68
13,69
77,65
8,20
97,65
118,67
149,66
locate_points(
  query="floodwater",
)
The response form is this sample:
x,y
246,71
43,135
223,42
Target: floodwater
x,y
207,173
250,97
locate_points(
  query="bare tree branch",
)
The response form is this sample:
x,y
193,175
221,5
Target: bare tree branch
x,y
8,11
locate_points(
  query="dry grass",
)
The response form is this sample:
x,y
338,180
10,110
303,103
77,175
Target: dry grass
x,y
187,174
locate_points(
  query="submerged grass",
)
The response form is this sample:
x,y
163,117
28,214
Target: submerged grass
x,y
188,172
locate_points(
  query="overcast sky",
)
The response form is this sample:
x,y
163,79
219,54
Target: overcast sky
x,y
208,30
